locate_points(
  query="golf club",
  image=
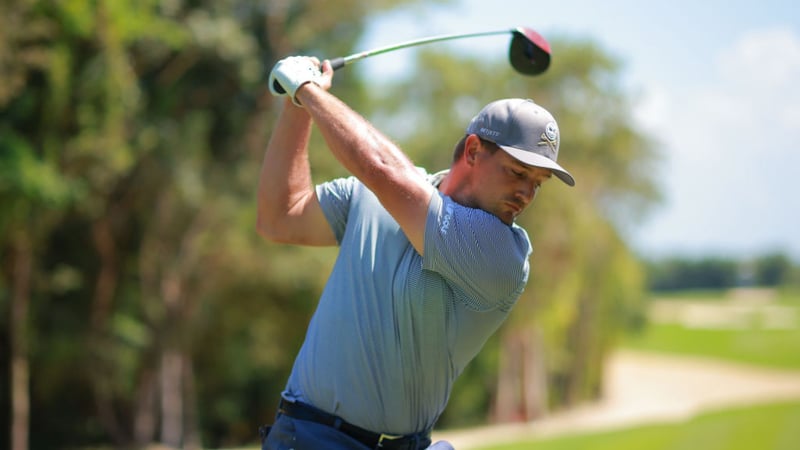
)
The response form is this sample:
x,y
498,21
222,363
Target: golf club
x,y
529,52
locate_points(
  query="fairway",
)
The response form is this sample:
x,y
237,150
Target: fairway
x,y
713,330
770,427
758,331
769,348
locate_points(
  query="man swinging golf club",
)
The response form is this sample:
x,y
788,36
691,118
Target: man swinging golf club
x,y
429,265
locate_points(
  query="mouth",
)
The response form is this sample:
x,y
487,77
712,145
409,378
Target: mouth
x,y
515,207
510,212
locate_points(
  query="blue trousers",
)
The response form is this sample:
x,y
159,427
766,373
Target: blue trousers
x,y
292,434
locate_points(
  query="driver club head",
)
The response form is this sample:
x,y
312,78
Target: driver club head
x,y
529,52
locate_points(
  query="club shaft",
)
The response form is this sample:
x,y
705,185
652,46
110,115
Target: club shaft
x,y
341,62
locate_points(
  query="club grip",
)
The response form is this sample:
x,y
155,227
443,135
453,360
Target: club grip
x,y
337,63
277,87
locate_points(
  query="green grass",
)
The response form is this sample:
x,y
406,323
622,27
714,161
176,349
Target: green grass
x,y
755,344
764,427
696,294
769,348
771,427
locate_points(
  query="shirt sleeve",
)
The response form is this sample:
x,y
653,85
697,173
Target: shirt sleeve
x,y
334,198
476,253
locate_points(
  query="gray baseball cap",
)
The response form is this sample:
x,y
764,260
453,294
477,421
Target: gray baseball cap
x,y
524,130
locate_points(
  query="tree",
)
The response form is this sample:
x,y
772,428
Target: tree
x,y
32,192
678,273
772,269
131,138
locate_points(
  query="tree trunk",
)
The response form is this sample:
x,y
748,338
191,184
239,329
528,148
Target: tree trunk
x,y
535,375
22,266
507,406
106,284
521,382
171,398
192,434
145,418
172,401
582,350
104,289
165,270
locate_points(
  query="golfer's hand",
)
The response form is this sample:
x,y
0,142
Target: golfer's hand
x,y
290,74
325,80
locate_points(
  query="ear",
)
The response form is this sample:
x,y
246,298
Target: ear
x,y
471,148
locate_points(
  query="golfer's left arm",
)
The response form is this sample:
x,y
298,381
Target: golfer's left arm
x,y
371,157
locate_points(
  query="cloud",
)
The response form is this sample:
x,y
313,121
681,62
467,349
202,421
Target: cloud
x,y
731,147
761,72
770,57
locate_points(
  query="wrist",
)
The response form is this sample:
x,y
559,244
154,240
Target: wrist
x,y
304,91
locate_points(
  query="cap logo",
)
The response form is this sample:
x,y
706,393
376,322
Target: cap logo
x,y
550,136
489,133
551,130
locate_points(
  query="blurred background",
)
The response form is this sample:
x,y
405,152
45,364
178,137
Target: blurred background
x,y
138,307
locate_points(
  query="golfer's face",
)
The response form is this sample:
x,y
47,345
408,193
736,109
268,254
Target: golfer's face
x,y
507,185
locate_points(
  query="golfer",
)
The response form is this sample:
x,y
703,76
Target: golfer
x,y
428,267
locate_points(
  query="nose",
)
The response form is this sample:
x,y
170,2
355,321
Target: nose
x,y
526,191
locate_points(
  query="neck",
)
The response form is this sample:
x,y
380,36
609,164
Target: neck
x,y
456,187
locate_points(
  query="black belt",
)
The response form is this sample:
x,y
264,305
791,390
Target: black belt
x,y
301,411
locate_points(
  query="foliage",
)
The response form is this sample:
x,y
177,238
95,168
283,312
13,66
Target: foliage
x,y
772,269
129,147
682,273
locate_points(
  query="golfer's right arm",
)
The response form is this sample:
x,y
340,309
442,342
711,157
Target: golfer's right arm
x,y
370,156
288,208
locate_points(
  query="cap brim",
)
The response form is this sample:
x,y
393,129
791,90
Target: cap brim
x,y
536,160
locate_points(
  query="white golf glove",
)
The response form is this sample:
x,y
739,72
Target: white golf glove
x,y
290,73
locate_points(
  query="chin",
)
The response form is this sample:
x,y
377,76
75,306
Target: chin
x,y
508,219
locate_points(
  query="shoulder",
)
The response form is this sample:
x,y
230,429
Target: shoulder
x,y
474,250
475,227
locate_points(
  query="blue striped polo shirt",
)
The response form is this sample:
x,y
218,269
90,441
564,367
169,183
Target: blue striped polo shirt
x,y
392,330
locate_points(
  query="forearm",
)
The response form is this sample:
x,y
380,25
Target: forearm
x,y
357,145
285,179
373,159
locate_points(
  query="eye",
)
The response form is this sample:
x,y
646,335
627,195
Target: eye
x,y
518,173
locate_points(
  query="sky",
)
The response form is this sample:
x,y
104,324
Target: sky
x,y
715,83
